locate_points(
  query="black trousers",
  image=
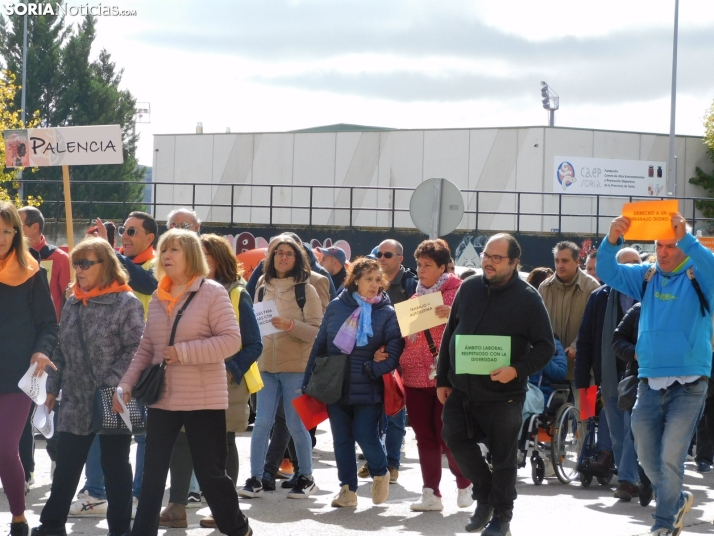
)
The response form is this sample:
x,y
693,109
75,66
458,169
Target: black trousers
x,y
182,466
72,451
206,434
497,424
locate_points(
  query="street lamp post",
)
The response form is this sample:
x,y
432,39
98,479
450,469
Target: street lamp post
x,y
671,161
551,102
21,189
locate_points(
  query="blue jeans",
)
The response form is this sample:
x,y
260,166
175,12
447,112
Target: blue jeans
x,y
623,446
356,422
603,433
94,484
395,428
288,385
663,422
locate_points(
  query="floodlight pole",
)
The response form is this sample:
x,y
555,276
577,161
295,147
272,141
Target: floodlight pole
x,y
671,162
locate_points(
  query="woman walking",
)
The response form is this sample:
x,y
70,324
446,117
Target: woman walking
x,y
195,391
282,363
418,364
357,323
101,323
28,331
224,268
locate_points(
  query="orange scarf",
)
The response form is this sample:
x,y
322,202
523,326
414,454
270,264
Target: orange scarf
x,y
114,286
163,292
145,256
13,274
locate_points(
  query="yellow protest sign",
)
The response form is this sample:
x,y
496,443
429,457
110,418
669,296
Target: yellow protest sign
x,y
418,314
650,220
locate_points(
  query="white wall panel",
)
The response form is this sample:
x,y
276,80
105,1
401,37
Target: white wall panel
x,y
272,164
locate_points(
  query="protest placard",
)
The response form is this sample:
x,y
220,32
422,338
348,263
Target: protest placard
x,y
418,314
264,312
482,354
650,220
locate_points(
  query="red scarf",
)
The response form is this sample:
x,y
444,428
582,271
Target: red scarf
x,y
145,256
114,286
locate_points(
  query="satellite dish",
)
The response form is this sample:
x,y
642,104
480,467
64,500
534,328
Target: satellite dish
x,y
436,207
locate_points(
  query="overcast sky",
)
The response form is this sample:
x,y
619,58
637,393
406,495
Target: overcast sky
x,y
275,65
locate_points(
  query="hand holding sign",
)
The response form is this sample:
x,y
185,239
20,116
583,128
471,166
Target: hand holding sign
x,y
418,314
33,385
264,313
648,220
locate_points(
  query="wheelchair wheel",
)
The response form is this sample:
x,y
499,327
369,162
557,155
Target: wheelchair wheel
x,y
586,479
537,470
564,447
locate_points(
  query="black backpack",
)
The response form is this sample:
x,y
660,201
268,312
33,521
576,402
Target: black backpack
x,y
703,304
299,294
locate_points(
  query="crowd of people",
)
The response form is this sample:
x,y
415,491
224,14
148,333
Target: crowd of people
x,y
184,308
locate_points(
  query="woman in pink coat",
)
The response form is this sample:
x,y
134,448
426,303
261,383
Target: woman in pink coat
x,y
195,391
418,364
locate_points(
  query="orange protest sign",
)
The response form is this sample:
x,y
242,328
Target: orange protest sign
x,y
650,220
707,242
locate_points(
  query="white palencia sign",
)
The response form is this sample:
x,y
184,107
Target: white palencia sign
x,y
578,175
63,146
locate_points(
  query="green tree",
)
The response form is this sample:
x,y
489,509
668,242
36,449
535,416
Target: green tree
x,y
73,90
701,177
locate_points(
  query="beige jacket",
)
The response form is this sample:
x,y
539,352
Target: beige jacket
x,y
322,286
289,351
566,305
206,336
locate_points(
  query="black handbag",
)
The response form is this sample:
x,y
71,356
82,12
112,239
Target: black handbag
x,y
328,378
151,382
104,420
627,393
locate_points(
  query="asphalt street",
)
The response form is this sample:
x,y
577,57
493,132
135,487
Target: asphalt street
x,y
552,508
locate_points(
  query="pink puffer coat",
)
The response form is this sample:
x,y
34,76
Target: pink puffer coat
x,y
207,334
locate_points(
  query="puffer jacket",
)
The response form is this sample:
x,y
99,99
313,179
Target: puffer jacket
x,y
363,382
416,360
288,351
112,325
206,336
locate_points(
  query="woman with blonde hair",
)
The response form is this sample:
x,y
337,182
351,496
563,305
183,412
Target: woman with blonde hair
x,y
195,391
28,331
101,326
283,361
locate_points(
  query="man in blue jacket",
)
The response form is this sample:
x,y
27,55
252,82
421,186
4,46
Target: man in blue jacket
x,y
674,353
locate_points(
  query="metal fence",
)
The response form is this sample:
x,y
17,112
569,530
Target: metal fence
x,y
308,205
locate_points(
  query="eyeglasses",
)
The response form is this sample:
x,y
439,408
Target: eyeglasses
x,y
131,231
85,264
184,225
286,254
496,259
8,232
386,255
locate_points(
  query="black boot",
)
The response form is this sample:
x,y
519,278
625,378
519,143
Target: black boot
x,y
481,517
21,528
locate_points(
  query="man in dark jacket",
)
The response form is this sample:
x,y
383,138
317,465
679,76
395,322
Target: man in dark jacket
x,y
497,335
603,313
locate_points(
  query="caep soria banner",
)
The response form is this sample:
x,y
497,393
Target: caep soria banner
x,y
579,175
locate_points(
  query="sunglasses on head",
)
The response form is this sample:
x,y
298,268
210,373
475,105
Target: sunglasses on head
x,y
85,264
131,231
387,255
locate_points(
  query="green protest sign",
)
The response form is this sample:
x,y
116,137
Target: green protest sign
x,y
482,354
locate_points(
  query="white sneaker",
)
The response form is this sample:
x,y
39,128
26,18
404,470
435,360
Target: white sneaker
x,y
134,506
88,506
428,502
683,510
464,498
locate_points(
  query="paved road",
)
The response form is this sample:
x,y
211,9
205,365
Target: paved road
x,y
552,508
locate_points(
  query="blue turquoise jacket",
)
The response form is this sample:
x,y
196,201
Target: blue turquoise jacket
x,y
675,339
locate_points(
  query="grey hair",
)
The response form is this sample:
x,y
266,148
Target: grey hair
x,y
33,216
183,210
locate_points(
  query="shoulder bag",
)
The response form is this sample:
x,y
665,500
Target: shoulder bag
x,y
151,382
328,378
627,393
395,396
104,420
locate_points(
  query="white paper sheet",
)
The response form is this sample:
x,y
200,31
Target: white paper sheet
x,y
44,421
125,411
265,312
35,387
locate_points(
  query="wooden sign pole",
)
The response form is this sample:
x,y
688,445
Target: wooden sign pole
x,y
68,214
